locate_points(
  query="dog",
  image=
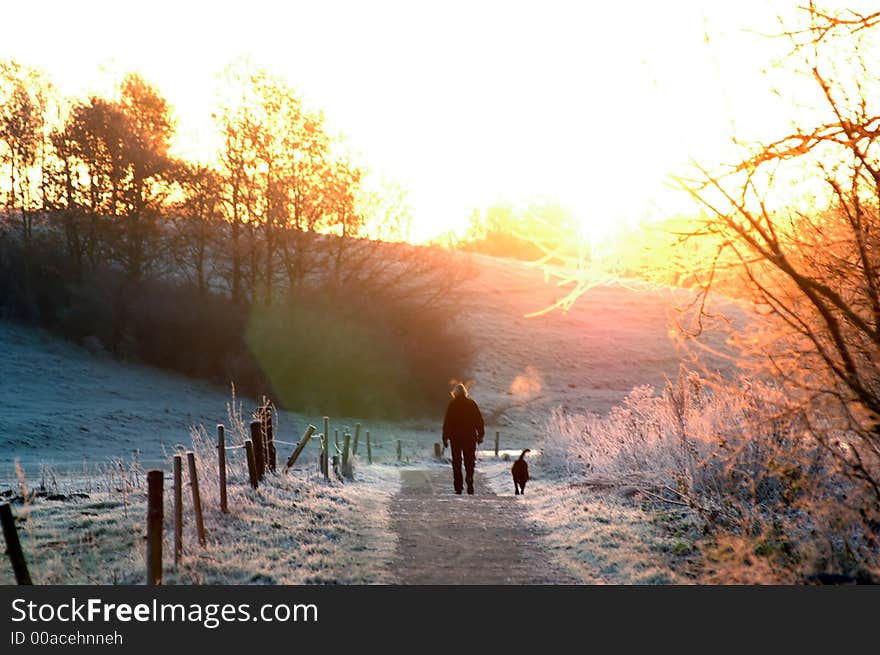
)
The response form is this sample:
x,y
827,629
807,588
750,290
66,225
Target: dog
x,y
520,472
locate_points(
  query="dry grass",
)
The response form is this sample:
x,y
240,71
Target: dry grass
x,y
769,502
295,529
600,538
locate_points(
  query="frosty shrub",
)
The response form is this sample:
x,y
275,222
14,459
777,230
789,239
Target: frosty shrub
x,y
745,464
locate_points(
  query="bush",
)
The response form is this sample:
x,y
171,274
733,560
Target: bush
x,y
741,460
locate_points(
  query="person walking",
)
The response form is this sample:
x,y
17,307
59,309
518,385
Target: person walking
x,y
463,429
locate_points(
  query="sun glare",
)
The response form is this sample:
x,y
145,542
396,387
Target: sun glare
x,y
592,106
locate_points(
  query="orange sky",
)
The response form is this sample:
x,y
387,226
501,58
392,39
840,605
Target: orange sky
x,y
464,103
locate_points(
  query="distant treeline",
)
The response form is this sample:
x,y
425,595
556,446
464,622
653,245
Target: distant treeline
x,y
541,230
253,269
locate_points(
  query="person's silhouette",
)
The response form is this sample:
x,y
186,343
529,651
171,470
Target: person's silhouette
x,y
463,428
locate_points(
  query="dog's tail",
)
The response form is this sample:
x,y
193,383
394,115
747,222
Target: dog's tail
x,y
523,456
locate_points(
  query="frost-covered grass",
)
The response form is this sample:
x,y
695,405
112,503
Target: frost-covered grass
x,y
67,406
763,500
295,529
599,538
73,411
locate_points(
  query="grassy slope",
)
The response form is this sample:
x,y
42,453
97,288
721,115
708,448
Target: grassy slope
x,y
614,338
598,538
64,404
293,530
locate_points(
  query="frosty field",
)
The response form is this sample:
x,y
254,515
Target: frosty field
x,y
83,426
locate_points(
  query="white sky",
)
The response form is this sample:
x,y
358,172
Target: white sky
x,y
591,104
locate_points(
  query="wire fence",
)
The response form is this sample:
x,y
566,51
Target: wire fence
x,y
335,462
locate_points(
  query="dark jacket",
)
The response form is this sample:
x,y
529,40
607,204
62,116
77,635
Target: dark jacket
x,y
463,421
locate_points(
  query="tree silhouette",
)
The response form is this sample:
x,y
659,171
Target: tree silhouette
x,y
169,260
812,265
23,135
195,221
121,150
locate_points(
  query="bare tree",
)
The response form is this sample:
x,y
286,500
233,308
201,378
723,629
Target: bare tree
x,y
812,265
144,159
234,177
115,163
386,211
195,222
23,141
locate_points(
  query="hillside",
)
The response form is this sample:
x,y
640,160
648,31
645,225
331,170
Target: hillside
x,y
74,411
615,337
65,404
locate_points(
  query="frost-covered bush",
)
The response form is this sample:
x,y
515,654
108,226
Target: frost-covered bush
x,y
740,457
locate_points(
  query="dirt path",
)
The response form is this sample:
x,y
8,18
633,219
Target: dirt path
x,y
479,539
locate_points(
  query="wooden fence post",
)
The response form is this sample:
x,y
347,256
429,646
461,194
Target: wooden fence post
x,y
155,511
497,439
299,447
259,442
336,432
399,451
322,458
326,469
437,450
346,450
197,499
369,449
13,546
221,462
271,454
251,462
178,508
357,438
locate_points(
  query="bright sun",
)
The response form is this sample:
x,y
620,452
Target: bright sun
x,y
464,103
